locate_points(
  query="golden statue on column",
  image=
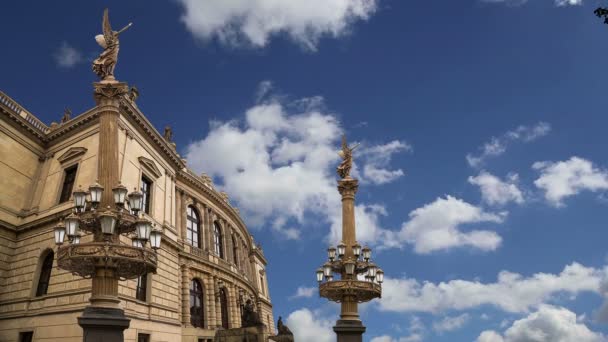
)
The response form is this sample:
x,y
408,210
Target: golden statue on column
x,y
346,153
104,65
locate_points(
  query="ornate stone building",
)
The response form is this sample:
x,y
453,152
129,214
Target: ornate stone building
x,y
208,264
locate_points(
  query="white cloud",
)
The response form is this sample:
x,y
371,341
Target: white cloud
x,y
305,292
308,326
416,332
495,191
567,178
568,2
548,324
498,145
489,336
436,226
451,323
254,22
67,56
278,166
377,158
512,292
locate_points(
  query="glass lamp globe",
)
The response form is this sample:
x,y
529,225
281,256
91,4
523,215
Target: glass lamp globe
x,y
155,238
96,190
331,253
357,250
59,233
107,221
380,276
350,268
136,201
372,270
327,270
76,239
143,228
71,224
341,249
320,275
120,194
80,197
367,253
136,242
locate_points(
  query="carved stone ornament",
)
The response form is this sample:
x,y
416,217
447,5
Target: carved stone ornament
x,y
72,153
348,187
224,195
129,262
109,91
150,166
363,291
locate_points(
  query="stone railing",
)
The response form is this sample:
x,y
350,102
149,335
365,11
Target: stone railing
x,y
29,117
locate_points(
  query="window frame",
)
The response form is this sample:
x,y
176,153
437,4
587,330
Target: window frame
x,y
24,334
44,268
148,194
200,322
139,288
235,251
224,313
218,243
189,231
65,169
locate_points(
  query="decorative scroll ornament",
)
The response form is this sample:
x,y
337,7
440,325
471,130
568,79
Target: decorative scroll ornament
x,y
337,290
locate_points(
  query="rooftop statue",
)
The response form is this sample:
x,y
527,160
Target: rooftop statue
x,y
346,153
250,317
104,65
283,334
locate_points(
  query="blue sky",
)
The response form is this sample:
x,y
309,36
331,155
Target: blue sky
x,y
501,246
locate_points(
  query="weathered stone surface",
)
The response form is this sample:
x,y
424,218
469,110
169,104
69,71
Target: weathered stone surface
x,y
248,334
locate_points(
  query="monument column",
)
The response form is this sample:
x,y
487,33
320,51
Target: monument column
x,y
103,319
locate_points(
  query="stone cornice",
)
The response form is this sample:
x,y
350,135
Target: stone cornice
x,y
260,255
146,127
187,177
23,125
76,123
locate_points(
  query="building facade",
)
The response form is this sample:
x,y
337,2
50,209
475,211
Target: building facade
x,y
208,264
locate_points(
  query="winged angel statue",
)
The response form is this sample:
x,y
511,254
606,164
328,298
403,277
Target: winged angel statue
x,y
104,65
346,153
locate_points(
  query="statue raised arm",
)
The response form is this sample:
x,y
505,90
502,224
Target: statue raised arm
x,y
104,65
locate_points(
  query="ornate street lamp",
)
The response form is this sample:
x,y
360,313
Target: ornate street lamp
x,y
348,289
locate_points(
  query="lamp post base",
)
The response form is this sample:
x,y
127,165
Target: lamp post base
x,y
349,330
101,324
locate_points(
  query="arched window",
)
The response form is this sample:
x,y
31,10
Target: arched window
x,y
196,304
45,274
193,223
224,307
235,251
217,238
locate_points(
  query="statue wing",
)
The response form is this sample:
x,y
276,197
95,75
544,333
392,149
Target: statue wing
x,y
108,35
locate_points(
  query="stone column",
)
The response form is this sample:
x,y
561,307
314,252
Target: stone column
x,y
210,301
210,231
228,243
182,213
185,296
178,218
103,319
349,327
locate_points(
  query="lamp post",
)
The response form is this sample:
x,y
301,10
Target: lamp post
x,y
349,261
106,259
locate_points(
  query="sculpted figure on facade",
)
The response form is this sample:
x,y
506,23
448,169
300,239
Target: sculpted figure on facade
x,y
104,65
250,317
67,115
168,133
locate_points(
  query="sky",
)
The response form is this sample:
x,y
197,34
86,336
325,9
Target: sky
x,y
482,167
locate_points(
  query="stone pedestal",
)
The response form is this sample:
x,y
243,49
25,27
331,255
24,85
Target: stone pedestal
x,y
249,334
103,324
349,330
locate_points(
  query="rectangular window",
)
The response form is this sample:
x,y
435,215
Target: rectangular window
x,y
262,285
143,337
26,336
146,189
140,291
68,183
